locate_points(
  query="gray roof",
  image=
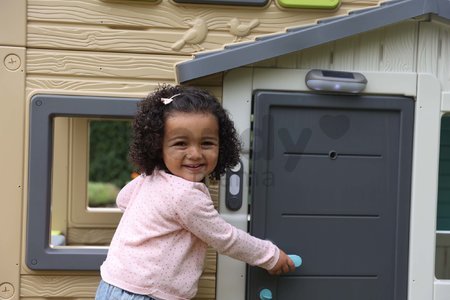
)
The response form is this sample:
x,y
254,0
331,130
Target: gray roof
x,y
296,39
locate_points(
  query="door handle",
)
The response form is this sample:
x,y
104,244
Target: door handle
x,y
266,294
296,259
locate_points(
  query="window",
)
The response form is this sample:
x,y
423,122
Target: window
x,y
58,131
89,167
109,169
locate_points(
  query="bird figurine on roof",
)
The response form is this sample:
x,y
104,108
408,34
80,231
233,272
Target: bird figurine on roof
x,y
194,36
240,30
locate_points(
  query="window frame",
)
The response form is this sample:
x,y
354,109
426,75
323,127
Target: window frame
x,y
43,109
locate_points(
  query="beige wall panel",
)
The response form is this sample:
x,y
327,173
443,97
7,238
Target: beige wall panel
x,y
96,87
368,54
88,38
210,262
12,120
206,287
167,14
399,48
287,61
268,63
142,27
213,187
434,51
387,49
58,286
428,48
13,18
344,53
76,286
444,58
101,65
316,57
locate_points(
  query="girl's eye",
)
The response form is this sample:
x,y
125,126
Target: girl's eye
x,y
180,144
208,144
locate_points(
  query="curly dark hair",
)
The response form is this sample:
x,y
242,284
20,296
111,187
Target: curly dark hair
x,y
148,127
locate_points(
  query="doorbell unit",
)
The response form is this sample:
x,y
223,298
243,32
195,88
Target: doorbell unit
x,y
234,178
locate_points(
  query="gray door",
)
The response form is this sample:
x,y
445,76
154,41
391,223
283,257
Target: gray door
x,y
330,182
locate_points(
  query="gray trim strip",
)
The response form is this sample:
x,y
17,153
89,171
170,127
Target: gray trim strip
x,y
388,13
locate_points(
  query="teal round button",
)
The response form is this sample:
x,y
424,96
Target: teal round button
x,y
265,294
296,259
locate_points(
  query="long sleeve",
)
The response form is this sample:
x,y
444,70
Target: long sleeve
x,y
126,193
198,215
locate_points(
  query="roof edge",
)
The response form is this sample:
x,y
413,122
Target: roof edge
x,y
387,13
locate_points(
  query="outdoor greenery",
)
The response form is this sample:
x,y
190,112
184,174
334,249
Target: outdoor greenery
x,y
102,194
109,168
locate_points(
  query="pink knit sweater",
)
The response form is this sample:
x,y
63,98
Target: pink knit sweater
x,y
160,243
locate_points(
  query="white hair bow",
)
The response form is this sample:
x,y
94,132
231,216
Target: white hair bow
x,y
168,100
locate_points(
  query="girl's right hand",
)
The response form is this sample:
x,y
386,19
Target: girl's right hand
x,y
283,265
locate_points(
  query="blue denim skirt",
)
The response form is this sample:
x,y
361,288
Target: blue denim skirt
x,y
106,291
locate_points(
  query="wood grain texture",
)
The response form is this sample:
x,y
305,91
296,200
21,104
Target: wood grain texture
x,y
434,51
153,41
143,27
101,65
343,57
390,49
369,51
95,86
428,48
76,85
444,57
316,57
58,286
399,48
143,15
76,286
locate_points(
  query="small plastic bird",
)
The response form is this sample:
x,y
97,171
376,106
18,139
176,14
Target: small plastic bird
x,y
240,30
194,36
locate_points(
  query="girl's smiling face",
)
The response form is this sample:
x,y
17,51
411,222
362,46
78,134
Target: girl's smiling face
x,y
191,144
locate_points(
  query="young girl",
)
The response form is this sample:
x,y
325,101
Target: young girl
x,y
181,136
